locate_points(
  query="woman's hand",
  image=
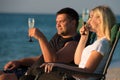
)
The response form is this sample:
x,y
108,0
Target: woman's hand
x,y
84,30
48,67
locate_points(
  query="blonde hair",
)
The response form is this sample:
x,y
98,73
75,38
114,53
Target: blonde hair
x,y
107,19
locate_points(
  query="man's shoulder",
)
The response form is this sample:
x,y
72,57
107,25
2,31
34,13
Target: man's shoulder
x,y
58,38
76,37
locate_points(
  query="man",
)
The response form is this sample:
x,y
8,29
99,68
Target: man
x,y
61,47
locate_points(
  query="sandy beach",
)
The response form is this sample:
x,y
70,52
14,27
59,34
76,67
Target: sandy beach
x,y
113,74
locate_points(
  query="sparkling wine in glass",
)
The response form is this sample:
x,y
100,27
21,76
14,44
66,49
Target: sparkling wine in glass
x,y
31,22
85,15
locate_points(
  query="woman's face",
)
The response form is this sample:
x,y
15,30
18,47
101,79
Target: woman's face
x,y
93,21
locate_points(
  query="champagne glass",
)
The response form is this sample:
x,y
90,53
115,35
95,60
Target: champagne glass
x,y
85,15
31,22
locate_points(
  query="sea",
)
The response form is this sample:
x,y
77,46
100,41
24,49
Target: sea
x,y
14,40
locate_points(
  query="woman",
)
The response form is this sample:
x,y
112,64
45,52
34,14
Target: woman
x,y
92,58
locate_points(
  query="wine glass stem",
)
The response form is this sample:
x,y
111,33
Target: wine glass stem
x,y
84,22
30,40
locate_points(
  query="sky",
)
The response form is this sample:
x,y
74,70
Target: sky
x,y
52,6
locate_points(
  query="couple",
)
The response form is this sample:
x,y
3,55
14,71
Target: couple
x,y
90,58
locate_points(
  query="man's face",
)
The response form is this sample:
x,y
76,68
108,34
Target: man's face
x,y
63,24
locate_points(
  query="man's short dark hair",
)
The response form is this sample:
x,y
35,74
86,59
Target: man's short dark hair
x,y
71,13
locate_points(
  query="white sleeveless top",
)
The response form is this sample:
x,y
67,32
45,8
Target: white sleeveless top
x,y
102,46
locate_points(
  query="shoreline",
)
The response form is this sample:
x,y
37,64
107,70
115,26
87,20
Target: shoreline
x,y
113,73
